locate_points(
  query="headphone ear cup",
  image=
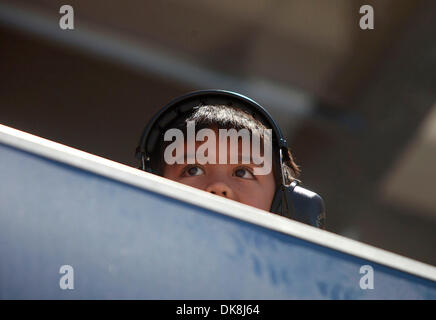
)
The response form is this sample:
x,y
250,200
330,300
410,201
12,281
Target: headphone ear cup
x,y
309,206
300,204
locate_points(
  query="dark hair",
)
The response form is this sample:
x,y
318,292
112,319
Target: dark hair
x,y
226,117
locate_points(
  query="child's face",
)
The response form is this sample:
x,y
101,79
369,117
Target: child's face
x,y
233,181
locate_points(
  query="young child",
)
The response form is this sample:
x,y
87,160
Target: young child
x,y
226,144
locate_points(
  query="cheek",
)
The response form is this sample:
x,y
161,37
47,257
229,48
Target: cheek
x,y
195,182
259,195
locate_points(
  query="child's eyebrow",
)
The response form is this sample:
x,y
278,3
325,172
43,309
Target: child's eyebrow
x,y
241,157
185,158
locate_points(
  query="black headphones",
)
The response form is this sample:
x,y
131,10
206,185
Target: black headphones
x,y
291,201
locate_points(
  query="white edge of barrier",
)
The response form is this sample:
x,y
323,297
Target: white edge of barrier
x,y
144,180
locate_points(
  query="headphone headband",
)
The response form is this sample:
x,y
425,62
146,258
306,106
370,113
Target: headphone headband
x,y
187,102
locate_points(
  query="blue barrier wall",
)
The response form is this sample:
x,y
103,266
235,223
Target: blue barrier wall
x,y
125,242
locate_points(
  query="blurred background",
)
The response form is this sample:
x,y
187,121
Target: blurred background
x,y
358,106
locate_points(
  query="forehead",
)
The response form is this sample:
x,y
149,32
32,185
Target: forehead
x,y
220,147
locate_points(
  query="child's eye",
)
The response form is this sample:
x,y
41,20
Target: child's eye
x,y
243,173
192,171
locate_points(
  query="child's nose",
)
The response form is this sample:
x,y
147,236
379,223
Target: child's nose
x,y
221,189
